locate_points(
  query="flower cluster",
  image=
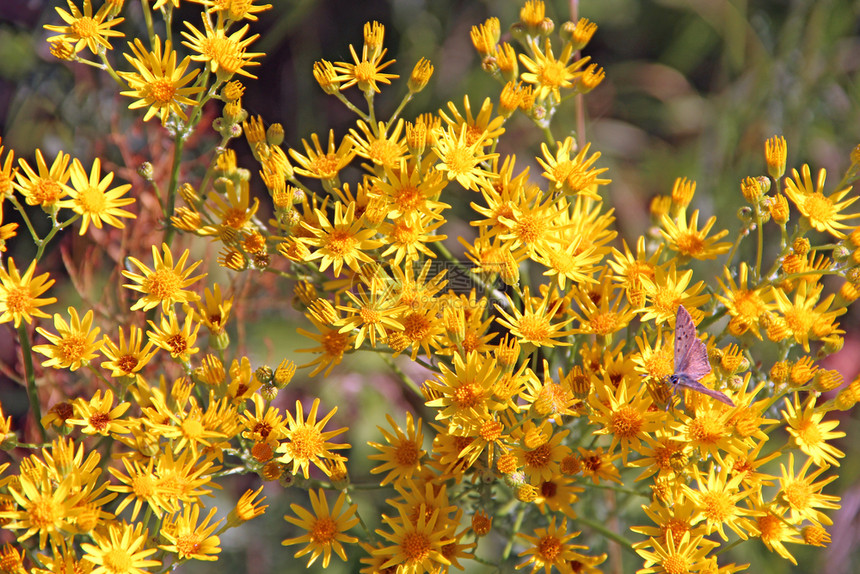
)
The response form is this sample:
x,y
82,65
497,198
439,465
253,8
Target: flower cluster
x,y
540,357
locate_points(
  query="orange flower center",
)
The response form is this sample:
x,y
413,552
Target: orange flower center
x,y
92,200
549,548
305,442
127,363
44,512
117,560
340,243
19,300
416,546
797,493
534,328
460,160
46,191
163,283
325,166
675,564
143,486
689,243
406,453
324,530
626,422
539,457
161,90
771,527
819,207
99,421
716,506
469,394
552,74
73,348
85,27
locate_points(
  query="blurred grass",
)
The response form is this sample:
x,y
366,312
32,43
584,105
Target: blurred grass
x,y
693,88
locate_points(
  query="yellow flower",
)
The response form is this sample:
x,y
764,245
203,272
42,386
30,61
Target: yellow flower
x,y
811,434
684,237
121,550
572,175
343,242
461,160
226,55
748,307
550,547
234,209
625,414
666,290
803,317
823,212
84,29
44,506
480,129
306,442
213,310
190,540
265,424
415,546
407,237
373,312
332,345
140,484
412,189
46,187
549,74
717,498
378,146
540,458
774,529
19,295
99,416
802,496
127,358
91,198
403,454
236,10
365,72
74,344
247,508
533,325
671,557
165,283
158,83
325,528
176,339
321,164
465,394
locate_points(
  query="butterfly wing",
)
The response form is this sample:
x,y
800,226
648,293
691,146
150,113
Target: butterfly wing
x,y
694,385
691,354
685,335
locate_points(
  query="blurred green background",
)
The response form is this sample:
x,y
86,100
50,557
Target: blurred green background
x,y
692,89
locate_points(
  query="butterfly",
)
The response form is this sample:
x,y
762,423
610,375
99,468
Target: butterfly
x,y
691,359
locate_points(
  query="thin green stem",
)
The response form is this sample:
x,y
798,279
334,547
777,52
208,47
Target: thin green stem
x,y
606,532
518,523
170,203
30,374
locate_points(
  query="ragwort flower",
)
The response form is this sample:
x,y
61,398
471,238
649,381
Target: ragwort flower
x,y
325,528
123,544
84,29
74,344
165,283
306,442
824,213
19,295
93,201
158,83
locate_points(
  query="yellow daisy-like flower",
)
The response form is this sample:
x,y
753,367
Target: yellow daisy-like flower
x,y
91,198
43,505
127,358
342,242
140,485
325,528
326,164
465,394
123,545
748,307
165,283
625,414
74,344
7,174
689,241
811,433
802,496
306,442
403,454
572,175
332,345
540,451
226,55
373,313
533,324
84,29
549,74
415,546
235,10
461,160
674,557
366,72
158,82
19,295
99,416
176,339
188,539
46,187
378,146
550,547
407,237
824,213
667,290
480,129
806,316
717,498
213,310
